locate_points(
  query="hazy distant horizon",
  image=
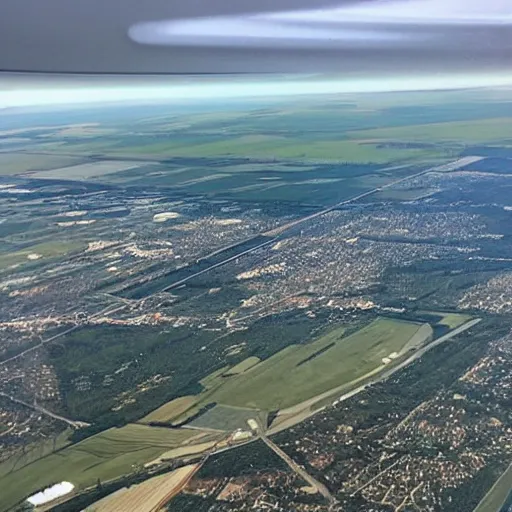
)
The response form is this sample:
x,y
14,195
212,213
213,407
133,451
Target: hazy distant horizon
x,y
25,90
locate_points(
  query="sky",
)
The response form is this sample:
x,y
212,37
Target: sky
x,y
224,88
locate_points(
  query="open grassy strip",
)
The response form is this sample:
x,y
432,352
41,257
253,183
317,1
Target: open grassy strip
x,y
300,372
110,454
243,366
448,319
228,418
170,410
40,252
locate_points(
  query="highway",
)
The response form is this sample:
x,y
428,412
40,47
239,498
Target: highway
x,y
272,234
105,311
300,471
43,410
452,166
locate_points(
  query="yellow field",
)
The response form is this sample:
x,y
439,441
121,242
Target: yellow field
x,y
170,410
243,366
149,496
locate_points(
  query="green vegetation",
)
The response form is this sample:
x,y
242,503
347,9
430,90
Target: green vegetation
x,y
35,452
243,366
482,130
288,148
283,380
170,410
111,454
99,351
18,163
223,417
40,252
494,500
451,320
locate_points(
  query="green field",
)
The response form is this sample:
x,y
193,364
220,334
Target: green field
x,y
18,163
44,250
111,454
243,366
481,130
34,452
498,494
300,372
286,148
170,410
450,320
227,418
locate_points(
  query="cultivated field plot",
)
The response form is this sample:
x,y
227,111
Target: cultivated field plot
x,y
299,373
105,456
287,148
87,171
170,410
20,163
148,496
34,452
40,252
477,130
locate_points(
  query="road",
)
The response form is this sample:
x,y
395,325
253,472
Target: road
x,y
300,471
461,162
105,311
452,166
43,410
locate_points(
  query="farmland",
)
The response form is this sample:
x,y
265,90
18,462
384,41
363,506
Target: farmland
x,y
35,452
87,170
170,410
168,275
19,163
289,149
40,252
300,372
482,130
148,496
111,454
